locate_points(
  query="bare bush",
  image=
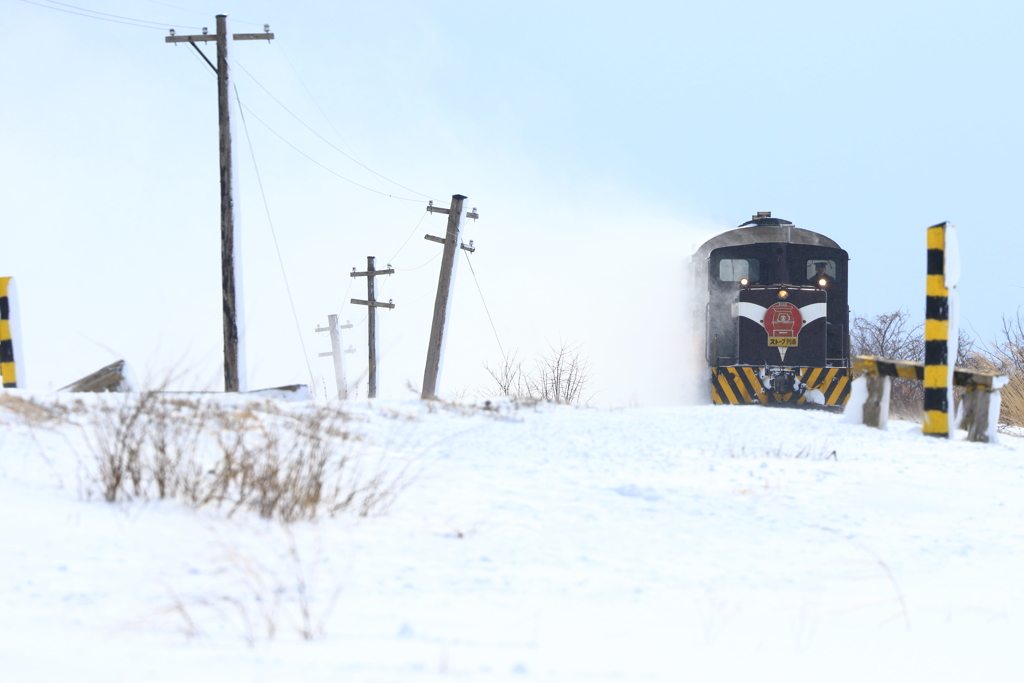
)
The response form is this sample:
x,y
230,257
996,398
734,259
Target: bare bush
x,y
509,377
561,375
286,466
894,335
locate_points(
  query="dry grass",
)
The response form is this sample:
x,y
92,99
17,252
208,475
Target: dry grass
x,y
1005,355
288,466
258,598
807,451
34,412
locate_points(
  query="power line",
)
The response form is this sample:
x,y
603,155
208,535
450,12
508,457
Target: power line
x,y
273,233
486,310
432,259
422,216
333,146
329,170
313,99
192,11
103,16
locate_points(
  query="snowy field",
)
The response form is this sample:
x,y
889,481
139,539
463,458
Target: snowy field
x,y
545,543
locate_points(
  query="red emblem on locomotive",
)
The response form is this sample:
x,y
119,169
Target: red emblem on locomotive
x,y
783,322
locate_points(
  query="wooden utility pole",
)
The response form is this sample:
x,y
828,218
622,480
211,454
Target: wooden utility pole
x,y
234,353
443,301
373,304
339,356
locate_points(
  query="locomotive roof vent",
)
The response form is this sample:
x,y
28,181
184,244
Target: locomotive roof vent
x,y
764,219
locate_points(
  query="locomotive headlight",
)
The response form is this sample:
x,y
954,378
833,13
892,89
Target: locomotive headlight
x,y
744,282
822,282
783,294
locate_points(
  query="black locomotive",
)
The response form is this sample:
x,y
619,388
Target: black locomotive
x,y
776,321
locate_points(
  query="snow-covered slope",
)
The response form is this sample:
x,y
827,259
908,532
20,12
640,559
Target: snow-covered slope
x,y
544,543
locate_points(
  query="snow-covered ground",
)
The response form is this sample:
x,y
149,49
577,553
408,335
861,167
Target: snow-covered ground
x,y
547,543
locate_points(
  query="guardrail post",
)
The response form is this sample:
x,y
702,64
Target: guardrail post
x,y
876,407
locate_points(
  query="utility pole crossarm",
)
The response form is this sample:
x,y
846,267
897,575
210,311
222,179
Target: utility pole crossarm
x,y
437,209
376,304
347,326
389,271
191,39
207,37
440,240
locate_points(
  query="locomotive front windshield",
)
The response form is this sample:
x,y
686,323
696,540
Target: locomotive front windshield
x,y
817,267
799,269
774,264
736,269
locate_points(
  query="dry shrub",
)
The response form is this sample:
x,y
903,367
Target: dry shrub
x,y
287,466
559,376
1005,355
894,335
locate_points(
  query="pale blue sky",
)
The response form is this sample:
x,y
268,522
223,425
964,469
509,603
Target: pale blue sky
x,y
600,141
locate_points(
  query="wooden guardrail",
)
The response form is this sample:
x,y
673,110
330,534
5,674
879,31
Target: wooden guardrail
x,y
109,378
981,400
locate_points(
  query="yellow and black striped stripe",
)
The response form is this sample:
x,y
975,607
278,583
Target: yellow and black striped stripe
x,y
7,367
741,385
907,369
936,337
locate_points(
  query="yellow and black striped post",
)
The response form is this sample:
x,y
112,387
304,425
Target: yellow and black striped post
x,y
7,359
936,338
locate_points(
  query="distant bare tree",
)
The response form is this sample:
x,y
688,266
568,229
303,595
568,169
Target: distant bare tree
x,y
890,335
893,335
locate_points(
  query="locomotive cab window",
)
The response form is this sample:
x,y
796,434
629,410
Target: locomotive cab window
x,y
736,269
817,268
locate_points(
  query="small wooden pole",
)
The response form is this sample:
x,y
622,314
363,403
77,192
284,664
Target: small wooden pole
x,y
373,304
339,356
371,328
336,353
443,300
